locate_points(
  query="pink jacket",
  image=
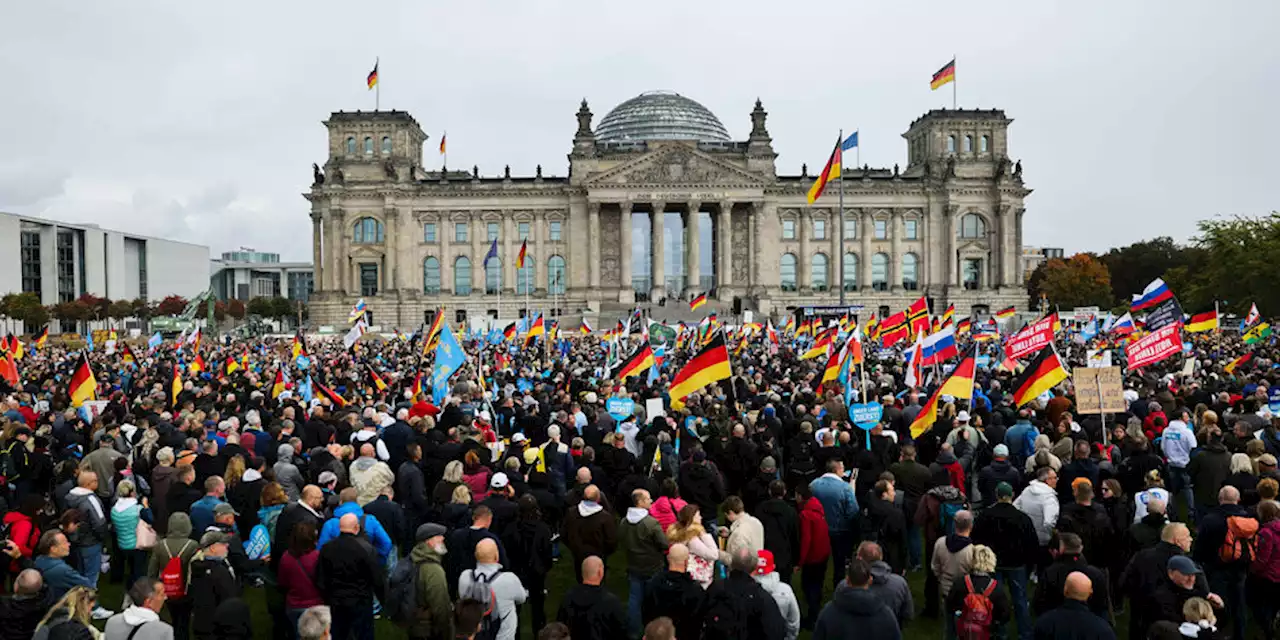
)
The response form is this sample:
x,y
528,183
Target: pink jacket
x,y
1267,564
665,510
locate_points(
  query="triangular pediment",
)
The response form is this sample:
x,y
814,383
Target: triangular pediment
x,y
365,251
971,246
676,164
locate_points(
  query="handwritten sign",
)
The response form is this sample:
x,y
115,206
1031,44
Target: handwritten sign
x,y
1099,390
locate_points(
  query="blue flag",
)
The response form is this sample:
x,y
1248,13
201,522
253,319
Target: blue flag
x,y
493,252
155,341
850,142
449,356
305,390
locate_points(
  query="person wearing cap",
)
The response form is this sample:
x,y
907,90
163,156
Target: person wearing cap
x,y
433,619
1183,580
500,501
1000,470
767,576
224,521
211,582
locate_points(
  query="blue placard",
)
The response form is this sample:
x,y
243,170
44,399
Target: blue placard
x,y
866,415
524,385
620,408
983,362
1273,399
259,544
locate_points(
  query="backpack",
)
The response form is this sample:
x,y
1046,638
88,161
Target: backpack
x,y
1241,542
171,574
1029,444
482,590
401,604
947,516
976,615
726,617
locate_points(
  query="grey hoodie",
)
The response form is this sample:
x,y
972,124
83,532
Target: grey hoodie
x,y
892,589
785,596
287,473
121,625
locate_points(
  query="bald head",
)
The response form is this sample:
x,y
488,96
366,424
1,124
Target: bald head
x,y
677,557
29,583
591,493
584,475
349,523
366,450
1078,587
1228,495
592,570
486,551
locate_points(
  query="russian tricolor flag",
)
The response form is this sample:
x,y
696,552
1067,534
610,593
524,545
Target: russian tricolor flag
x,y
940,347
1154,294
1124,325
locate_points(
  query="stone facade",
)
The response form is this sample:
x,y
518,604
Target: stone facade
x,y
947,226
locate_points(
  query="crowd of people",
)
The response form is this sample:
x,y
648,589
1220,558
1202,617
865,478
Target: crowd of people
x,y
753,509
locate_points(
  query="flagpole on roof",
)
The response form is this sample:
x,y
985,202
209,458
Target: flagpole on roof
x,y
954,102
839,224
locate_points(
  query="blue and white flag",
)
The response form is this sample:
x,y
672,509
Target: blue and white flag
x,y
155,341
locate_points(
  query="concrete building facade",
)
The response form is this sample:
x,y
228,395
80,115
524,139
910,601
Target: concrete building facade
x,y
247,274
658,205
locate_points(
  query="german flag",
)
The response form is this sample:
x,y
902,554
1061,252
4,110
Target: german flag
x,y
1231,366
959,385
638,363
524,252
944,75
126,355
585,328
417,384
299,345
83,385
326,392
829,173
697,302
804,329
948,316
231,366
42,338
832,370
432,337
711,364
820,344
277,387
509,333
963,326
372,80
873,327
894,329
175,386
535,330
1207,321
9,372
790,326
770,332
14,346
197,365
378,382
1043,374
1006,313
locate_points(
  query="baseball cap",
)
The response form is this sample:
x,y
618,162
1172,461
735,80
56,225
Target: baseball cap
x,y
1004,490
223,509
963,416
1184,565
764,563
499,480
429,530
591,397
1267,459
519,437
1000,451
211,538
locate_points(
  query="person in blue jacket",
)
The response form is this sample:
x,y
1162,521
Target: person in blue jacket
x,y
50,561
835,492
369,525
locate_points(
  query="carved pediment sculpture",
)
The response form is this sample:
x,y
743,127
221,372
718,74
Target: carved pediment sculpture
x,y
677,165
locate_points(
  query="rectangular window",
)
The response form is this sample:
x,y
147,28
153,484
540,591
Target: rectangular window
x,y
882,229
850,228
460,232
788,229
555,231
819,229
142,270
31,262
972,274
368,279
429,232
66,267
300,285
523,229
491,229
910,229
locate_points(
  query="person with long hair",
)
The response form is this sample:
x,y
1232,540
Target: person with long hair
x,y
668,505
442,493
475,474
234,472
297,573
70,618
457,514
1154,490
1244,479
528,545
126,515
274,501
703,552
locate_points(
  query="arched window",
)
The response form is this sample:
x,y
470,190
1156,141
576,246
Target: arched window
x,y
351,145
968,144
367,231
555,275
972,226
368,146
787,272
984,143
880,272
850,272
910,272
386,145
462,276
951,144
818,272
431,275
525,281
493,275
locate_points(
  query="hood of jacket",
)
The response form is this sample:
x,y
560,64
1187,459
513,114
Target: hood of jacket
x,y
364,464
422,552
179,525
770,581
284,453
880,572
587,508
636,514
348,507
1158,520
956,542
1041,490
1000,466
945,493
856,602
814,506
946,458
135,616
251,475
265,512
124,504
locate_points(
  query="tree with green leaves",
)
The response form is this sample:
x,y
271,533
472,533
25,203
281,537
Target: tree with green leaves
x,y
1079,281
260,307
71,313
1133,267
120,309
25,308
1235,259
142,309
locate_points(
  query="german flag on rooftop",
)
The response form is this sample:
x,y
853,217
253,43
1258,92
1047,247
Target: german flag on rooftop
x,y
944,75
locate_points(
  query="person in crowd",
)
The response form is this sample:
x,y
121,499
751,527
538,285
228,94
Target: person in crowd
x,y
141,621
369,527
505,592
297,574
93,531
888,587
22,610
702,550
668,505
1225,545
884,522
1012,536
1262,586
1073,619
1070,559
1040,502
23,529
1145,533
854,612
71,617
1208,469
840,504
1000,470
642,538
589,609
350,576
316,623
126,514
590,530
953,555
979,581
912,479
528,541
1089,521
675,595
202,510
433,610
462,544
211,583
781,592
51,554
744,531
370,475
781,526
738,607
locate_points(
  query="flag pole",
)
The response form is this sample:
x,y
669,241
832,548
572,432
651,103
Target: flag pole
x,y
954,104
377,87
840,226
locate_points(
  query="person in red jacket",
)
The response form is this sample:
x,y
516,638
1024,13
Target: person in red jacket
x,y
815,548
22,529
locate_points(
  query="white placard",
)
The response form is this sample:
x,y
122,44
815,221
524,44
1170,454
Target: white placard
x,y
653,408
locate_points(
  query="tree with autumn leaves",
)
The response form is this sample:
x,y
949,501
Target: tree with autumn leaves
x,y
1081,280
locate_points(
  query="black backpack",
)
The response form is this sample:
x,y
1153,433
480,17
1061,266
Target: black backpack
x,y
726,617
401,603
482,590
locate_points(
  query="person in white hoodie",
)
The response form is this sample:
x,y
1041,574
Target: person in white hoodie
x,y
1176,442
1040,502
505,591
142,620
772,583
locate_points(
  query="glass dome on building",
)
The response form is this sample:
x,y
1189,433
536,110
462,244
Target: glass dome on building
x,y
660,115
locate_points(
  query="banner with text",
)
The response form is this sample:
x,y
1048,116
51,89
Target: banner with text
x,y
1033,338
1166,313
1154,347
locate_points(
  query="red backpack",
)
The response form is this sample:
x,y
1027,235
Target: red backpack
x,y
171,575
977,616
1241,542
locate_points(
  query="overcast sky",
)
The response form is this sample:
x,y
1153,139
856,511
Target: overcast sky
x,y
200,121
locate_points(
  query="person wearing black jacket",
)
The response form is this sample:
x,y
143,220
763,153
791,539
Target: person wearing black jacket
x,y
392,518
349,577
183,493
397,437
781,528
998,471
589,609
529,542
1147,571
1070,560
757,612
461,544
700,484
1072,620
884,522
676,595
1011,535
1089,521
306,509
1226,577
756,489
246,496
855,612
210,583
411,488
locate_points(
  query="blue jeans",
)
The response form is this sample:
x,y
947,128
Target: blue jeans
x,y
1180,485
915,546
635,597
91,562
1016,580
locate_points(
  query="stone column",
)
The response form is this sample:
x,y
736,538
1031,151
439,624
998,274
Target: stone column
x,y
657,271
479,247
895,244
724,250
866,229
802,261
693,258
835,257
537,250
753,242
340,236
593,244
509,247
626,294
445,252
391,279
317,254
954,274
